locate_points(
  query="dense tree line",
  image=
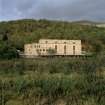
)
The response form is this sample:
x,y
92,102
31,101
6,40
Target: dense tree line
x,y
27,31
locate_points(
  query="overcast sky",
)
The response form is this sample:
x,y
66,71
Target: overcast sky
x,y
53,9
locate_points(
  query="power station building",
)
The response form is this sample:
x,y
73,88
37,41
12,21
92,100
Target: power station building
x,y
54,47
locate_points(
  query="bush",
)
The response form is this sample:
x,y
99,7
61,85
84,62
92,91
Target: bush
x,y
7,51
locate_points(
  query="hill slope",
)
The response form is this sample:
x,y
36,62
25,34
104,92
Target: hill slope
x,y
51,81
17,33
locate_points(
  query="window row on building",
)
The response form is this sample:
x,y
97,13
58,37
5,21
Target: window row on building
x,y
42,50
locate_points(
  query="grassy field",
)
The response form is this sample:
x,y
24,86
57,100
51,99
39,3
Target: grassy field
x,y
52,81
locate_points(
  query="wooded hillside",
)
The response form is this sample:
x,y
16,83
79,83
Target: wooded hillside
x,y
51,81
27,31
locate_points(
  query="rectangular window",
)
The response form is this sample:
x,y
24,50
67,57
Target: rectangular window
x,y
73,50
46,42
30,46
65,49
56,47
43,49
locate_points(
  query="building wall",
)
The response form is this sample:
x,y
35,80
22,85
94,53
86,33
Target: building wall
x,y
100,25
64,47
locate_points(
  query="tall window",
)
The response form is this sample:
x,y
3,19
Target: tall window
x,y
55,47
73,42
46,41
30,46
73,50
65,49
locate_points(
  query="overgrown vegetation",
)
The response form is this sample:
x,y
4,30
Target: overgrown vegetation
x,y
27,31
51,81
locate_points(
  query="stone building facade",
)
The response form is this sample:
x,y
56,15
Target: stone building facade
x,y
47,47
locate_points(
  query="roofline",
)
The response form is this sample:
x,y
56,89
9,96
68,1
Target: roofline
x,y
62,39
